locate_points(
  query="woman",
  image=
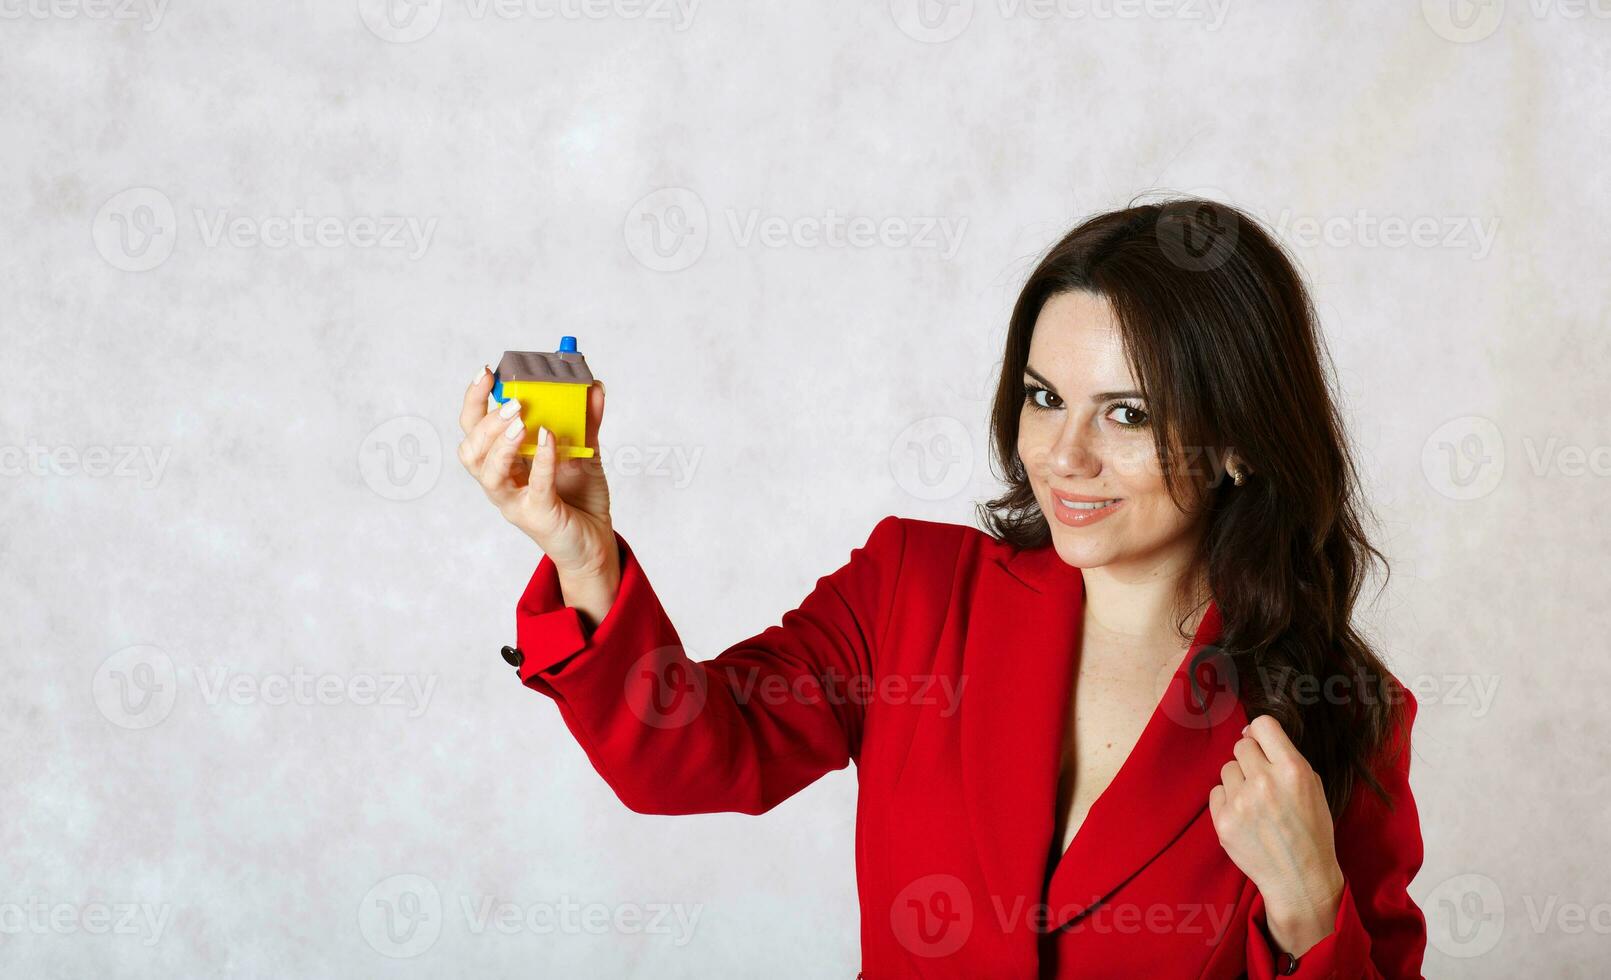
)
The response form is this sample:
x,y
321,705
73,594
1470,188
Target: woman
x,y
1051,720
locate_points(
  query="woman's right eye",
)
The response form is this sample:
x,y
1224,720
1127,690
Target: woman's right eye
x,y
1041,398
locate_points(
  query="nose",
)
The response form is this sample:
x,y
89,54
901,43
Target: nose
x,y
1075,454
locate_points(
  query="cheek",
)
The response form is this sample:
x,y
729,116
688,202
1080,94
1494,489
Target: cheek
x,y
1134,467
1033,446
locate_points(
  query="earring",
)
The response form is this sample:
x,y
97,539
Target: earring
x,y
1236,469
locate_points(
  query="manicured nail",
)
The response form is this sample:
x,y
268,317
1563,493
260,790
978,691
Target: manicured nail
x,y
482,374
1246,727
510,409
542,436
513,431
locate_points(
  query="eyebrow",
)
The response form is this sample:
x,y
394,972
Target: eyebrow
x,y
1100,396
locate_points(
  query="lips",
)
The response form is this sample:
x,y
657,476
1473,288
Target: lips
x,y
1081,510
1084,500
1086,504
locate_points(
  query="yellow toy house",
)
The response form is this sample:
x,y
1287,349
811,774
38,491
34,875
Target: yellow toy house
x,y
552,392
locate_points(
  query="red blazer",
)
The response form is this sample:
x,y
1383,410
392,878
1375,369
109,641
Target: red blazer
x,y
941,661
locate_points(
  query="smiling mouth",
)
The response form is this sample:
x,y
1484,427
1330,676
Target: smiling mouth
x,y
1083,505
1086,503
1083,510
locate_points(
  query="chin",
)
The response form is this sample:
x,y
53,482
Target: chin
x,y
1078,549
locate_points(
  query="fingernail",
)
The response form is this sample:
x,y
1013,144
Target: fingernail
x,y
542,436
481,374
513,431
510,409
1246,727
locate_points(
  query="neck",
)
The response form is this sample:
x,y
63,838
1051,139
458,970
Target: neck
x,y
1138,600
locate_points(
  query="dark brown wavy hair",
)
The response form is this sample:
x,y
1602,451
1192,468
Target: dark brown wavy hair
x,y
1221,336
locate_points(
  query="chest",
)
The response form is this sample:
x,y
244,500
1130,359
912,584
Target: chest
x,y
1117,686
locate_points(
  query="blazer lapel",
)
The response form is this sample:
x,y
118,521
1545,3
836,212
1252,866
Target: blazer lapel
x,y
1160,789
1019,659
1018,664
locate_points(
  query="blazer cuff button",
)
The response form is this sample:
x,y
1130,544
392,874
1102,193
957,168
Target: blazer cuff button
x,y
512,656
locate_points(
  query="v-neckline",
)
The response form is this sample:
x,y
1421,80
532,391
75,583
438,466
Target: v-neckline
x,y
1057,852
1017,654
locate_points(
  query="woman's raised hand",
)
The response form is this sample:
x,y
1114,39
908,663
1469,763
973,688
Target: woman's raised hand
x,y
563,505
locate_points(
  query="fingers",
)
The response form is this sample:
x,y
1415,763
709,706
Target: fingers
x,y
496,473
1250,757
1276,747
595,414
473,450
1230,777
475,400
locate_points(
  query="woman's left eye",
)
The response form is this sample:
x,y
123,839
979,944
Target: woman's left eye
x,y
1134,418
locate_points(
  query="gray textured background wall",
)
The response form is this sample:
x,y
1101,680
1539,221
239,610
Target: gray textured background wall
x,y
254,720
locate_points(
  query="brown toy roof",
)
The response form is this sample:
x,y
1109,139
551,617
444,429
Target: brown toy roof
x,y
525,365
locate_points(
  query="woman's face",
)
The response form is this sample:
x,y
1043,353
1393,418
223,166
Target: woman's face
x,y
1085,435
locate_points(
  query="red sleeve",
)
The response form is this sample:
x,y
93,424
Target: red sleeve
x,y
1379,931
741,732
